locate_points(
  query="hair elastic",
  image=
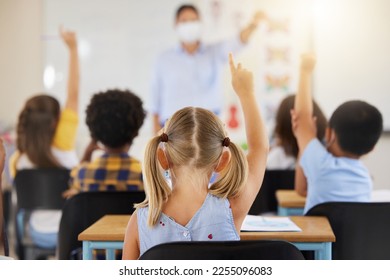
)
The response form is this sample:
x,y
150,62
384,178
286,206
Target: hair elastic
x,y
226,142
164,137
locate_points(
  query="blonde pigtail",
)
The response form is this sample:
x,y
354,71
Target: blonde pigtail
x,y
156,187
233,177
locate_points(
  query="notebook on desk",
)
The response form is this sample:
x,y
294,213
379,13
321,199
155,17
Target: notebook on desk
x,y
261,223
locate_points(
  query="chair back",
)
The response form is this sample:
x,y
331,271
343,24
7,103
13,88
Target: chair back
x,y
41,188
362,230
224,250
266,198
38,188
3,231
83,209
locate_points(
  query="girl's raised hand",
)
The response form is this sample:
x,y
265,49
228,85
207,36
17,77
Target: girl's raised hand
x,y
69,37
242,79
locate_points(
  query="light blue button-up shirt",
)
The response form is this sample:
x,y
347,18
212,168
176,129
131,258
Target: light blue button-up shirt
x,y
181,79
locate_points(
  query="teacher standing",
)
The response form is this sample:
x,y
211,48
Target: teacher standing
x,y
190,74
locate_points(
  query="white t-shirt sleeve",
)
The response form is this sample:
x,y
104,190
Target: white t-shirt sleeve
x,y
277,159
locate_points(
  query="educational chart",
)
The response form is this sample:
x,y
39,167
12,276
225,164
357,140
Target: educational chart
x,y
272,54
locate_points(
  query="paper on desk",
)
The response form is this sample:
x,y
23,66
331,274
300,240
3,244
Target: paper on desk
x,y
261,223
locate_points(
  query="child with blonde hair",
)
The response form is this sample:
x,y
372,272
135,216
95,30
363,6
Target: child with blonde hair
x,y
191,147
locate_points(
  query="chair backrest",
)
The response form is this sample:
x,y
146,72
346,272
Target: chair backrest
x,y
41,188
224,250
83,209
362,230
38,188
3,232
266,198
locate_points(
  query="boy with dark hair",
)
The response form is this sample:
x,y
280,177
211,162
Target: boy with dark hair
x,y
114,118
334,172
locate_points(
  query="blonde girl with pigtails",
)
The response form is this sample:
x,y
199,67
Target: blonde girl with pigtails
x,y
192,145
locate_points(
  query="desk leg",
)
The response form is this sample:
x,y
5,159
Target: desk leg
x,y
282,211
110,254
87,250
322,250
325,253
109,246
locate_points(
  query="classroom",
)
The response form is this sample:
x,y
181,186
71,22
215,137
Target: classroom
x,y
108,73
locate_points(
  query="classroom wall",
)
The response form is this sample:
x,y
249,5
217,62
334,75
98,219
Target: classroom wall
x,y
21,70
21,56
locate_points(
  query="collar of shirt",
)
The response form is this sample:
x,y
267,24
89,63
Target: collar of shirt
x,y
120,155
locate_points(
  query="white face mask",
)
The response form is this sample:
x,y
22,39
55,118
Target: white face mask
x,y
188,32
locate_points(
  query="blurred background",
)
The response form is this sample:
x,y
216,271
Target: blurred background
x,y
120,39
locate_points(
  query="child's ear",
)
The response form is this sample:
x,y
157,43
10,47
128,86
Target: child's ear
x,y
162,159
223,161
330,136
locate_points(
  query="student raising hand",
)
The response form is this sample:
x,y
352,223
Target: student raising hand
x,y
242,82
69,38
242,79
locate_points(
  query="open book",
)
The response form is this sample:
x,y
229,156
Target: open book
x,y
261,223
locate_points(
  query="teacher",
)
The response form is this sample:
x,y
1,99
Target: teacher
x,y
190,74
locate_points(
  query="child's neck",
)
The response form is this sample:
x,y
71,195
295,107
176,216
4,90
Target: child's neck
x,y
121,150
188,195
336,151
189,179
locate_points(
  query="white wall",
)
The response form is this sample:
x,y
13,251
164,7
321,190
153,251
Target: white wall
x,y
378,163
352,43
20,55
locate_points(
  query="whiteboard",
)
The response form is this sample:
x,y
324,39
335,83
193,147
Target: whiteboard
x,y
352,43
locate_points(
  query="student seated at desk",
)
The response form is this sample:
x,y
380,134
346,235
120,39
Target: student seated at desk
x,y
333,172
114,118
284,151
45,138
193,145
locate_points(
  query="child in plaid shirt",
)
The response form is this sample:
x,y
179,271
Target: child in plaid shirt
x,y
114,118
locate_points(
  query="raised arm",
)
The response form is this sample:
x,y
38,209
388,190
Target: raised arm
x,y
242,81
246,33
72,99
303,123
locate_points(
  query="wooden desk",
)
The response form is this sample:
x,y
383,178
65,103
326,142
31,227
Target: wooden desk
x,y
290,203
317,235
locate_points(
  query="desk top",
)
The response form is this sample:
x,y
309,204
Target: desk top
x,y
314,229
290,199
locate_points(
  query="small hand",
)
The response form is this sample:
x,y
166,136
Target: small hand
x,y
258,17
308,62
69,193
69,37
92,146
242,79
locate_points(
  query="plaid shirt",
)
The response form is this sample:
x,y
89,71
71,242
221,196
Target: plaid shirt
x,y
110,172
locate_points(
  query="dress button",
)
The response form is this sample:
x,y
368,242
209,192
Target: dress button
x,y
185,233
